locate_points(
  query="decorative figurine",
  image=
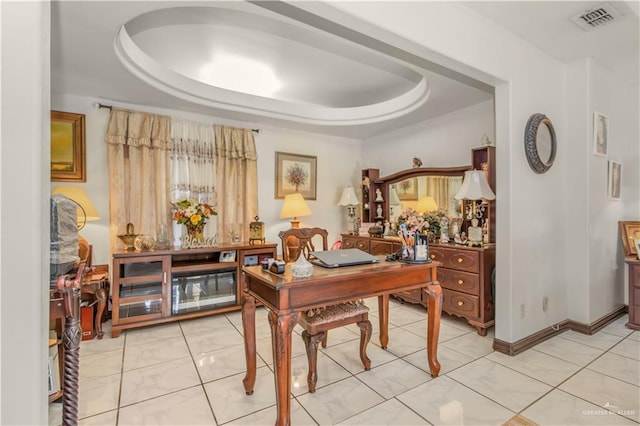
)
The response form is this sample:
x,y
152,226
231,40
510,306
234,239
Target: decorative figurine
x,y
417,162
475,234
379,210
444,230
486,141
379,195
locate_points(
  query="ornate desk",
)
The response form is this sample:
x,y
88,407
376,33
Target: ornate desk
x,y
286,296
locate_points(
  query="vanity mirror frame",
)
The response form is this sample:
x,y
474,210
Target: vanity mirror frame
x,y
401,175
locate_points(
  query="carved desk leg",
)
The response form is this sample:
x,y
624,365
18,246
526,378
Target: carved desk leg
x,y
281,327
249,329
434,309
383,312
101,296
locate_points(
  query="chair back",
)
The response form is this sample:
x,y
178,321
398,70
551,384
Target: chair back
x,y
301,240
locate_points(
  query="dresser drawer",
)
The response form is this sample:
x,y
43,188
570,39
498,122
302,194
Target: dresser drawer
x,y
464,260
380,247
359,243
460,304
459,281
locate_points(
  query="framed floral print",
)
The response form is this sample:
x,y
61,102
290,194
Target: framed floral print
x,y
296,173
67,147
600,134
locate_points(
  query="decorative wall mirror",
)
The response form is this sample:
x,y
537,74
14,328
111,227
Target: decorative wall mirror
x,y
540,143
412,185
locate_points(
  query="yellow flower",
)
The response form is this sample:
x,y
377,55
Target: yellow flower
x,y
195,219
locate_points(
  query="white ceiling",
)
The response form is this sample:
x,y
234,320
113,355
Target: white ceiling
x,y
153,53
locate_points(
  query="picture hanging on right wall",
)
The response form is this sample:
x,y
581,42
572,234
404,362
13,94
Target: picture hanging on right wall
x,y
600,134
614,181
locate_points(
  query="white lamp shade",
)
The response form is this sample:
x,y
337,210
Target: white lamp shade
x,y
86,210
426,205
475,187
349,197
394,200
294,206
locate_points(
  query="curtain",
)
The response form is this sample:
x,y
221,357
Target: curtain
x,y
193,168
438,188
138,146
237,171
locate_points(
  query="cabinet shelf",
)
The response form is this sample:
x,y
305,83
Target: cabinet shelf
x,y
170,285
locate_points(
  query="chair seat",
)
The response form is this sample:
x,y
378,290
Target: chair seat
x,y
337,312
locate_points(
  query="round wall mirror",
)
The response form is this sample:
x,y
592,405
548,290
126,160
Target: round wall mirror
x,y
540,143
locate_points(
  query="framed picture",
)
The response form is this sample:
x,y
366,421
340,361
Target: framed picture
x,y
296,173
407,189
228,256
600,134
364,228
637,245
67,147
615,176
630,234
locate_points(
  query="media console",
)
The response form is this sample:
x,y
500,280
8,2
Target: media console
x,y
152,287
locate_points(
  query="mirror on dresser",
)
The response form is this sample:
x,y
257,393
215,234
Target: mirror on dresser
x,y
385,197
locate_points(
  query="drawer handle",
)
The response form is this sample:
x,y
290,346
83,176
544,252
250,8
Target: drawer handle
x,y
460,303
459,260
460,282
433,256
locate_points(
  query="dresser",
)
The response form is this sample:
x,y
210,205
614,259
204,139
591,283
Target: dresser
x,y
634,293
465,277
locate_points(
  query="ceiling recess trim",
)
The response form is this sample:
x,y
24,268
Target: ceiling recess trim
x,y
156,74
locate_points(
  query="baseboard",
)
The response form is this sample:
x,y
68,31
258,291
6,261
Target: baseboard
x,y
532,340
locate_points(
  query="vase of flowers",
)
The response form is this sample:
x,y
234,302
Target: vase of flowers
x,y
428,223
193,215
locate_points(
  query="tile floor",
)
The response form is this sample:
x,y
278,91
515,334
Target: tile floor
x,y
190,373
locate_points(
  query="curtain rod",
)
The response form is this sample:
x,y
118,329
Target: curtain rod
x,y
98,105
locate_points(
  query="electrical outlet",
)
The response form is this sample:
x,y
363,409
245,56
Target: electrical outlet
x,y
522,310
545,303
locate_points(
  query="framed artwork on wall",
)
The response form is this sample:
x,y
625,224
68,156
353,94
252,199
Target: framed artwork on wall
x,y
629,233
614,180
296,173
67,147
600,134
407,190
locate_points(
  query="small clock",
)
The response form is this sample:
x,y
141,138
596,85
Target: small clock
x,y
256,231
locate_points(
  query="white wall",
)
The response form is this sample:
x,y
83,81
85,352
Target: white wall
x,y
24,219
337,163
442,142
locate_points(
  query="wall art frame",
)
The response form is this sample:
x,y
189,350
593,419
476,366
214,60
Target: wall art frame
x,y
68,148
407,190
629,233
296,173
614,180
600,134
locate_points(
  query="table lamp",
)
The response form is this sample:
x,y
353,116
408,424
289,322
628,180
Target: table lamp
x,y
294,206
426,204
86,210
350,200
475,188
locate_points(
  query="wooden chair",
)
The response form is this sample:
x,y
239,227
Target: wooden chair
x,y
317,322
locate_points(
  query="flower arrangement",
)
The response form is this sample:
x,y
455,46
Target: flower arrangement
x,y
419,222
297,175
192,213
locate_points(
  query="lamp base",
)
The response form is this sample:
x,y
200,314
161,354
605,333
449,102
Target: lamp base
x,y
295,224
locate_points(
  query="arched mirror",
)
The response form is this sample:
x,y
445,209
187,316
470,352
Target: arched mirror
x,y
424,189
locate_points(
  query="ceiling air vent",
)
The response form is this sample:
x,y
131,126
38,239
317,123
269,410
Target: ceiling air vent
x,y
596,17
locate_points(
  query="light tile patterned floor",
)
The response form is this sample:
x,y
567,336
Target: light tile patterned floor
x,y
190,373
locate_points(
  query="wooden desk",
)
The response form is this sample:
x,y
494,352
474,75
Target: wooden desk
x,y
286,296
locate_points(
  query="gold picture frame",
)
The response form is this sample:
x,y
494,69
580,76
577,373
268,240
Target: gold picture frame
x,y
629,233
68,147
296,173
407,190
